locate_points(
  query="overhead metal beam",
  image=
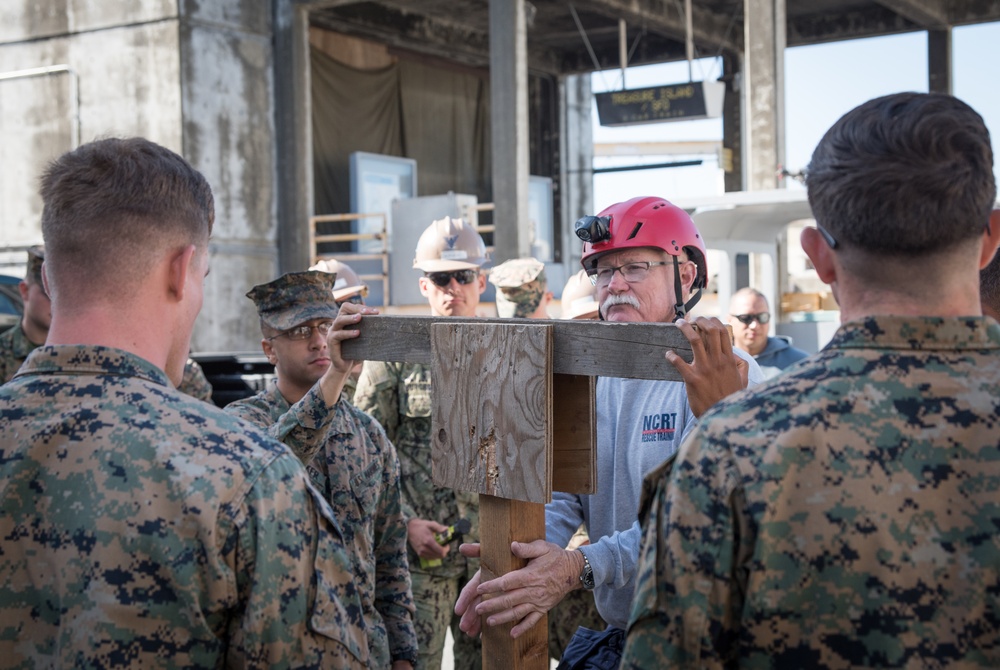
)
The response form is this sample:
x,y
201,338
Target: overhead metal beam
x,y
712,31
924,13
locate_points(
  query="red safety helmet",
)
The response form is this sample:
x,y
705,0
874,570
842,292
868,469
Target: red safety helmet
x,y
646,222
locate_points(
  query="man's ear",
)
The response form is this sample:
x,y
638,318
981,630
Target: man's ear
x,y
23,288
422,282
180,266
482,283
820,253
689,272
268,348
991,239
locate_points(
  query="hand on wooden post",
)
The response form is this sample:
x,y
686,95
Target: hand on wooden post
x,y
715,372
333,380
522,596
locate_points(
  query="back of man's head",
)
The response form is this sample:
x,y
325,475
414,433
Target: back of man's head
x,y
902,177
112,207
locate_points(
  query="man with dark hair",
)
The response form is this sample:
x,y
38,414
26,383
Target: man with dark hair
x,y
17,342
844,514
143,527
989,279
346,451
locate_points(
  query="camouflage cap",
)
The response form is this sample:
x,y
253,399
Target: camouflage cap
x,y
520,286
33,270
295,298
518,272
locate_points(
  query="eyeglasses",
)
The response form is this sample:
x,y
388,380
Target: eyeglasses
x,y
747,319
463,277
631,272
830,239
357,299
305,332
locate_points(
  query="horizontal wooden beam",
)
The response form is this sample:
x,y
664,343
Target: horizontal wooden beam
x,y
592,348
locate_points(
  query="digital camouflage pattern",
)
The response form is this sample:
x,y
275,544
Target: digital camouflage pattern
x,y
195,383
520,286
398,395
295,298
352,463
842,515
14,348
144,528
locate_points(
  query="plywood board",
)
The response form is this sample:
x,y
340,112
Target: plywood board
x,y
574,434
492,415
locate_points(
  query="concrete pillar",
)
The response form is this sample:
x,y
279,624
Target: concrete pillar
x,y
509,128
763,91
939,61
293,134
576,175
732,124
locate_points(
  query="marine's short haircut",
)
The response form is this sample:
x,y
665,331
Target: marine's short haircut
x,y
904,175
113,206
749,291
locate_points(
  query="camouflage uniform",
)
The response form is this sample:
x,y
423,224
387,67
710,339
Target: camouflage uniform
x,y
841,515
398,395
14,348
520,286
144,528
358,472
195,383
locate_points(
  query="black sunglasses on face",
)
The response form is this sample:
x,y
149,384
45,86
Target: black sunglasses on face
x,y
747,319
463,277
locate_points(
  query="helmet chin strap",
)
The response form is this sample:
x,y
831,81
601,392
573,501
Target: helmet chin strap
x,y
681,308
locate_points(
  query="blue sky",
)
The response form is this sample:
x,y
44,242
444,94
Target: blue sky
x,y
822,82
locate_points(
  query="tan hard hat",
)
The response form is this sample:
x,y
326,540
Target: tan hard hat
x,y
347,283
450,244
579,297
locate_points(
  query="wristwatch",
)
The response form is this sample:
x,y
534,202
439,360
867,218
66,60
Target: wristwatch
x,y
587,576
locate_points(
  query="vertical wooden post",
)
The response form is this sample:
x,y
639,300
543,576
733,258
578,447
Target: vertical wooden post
x,y
501,522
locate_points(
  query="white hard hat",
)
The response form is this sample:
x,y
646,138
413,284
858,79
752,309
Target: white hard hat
x,y
348,282
579,297
450,244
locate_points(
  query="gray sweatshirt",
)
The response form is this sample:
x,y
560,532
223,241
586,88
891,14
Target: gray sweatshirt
x,y
639,424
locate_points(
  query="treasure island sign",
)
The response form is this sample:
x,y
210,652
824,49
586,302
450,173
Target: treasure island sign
x,y
677,102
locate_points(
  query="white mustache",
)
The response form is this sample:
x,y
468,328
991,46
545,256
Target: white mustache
x,y
620,299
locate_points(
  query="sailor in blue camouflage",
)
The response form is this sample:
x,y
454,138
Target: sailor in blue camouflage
x,y
142,527
346,453
21,339
845,513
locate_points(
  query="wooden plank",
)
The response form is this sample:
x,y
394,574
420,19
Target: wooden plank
x,y
593,348
492,411
574,434
502,522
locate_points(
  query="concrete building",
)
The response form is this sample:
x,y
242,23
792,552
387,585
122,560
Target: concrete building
x,y
232,85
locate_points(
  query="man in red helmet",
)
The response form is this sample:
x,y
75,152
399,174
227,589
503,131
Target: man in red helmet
x,y
648,263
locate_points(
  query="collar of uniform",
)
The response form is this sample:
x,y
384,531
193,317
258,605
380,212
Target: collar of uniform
x,y
82,359
918,333
20,345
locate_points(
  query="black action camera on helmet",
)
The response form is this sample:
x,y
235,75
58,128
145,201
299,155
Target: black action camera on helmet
x,y
593,229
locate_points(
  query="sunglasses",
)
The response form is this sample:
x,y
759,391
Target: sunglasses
x,y
747,319
463,277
